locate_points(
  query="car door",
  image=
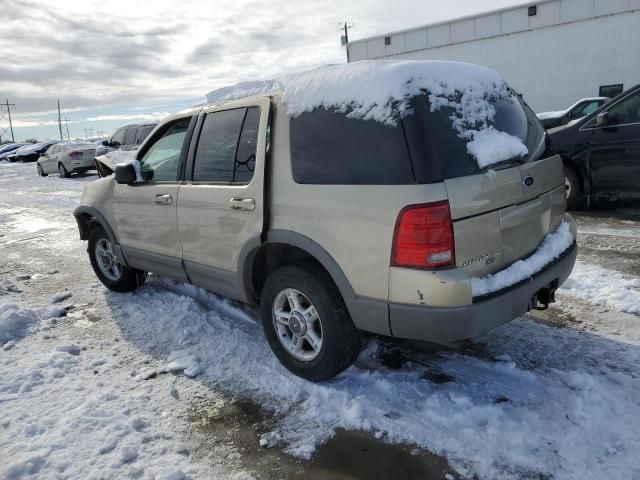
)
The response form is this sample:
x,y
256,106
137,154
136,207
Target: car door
x,y
145,211
221,204
51,160
615,150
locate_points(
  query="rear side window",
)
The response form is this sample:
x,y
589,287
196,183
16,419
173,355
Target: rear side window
x,y
327,147
130,137
143,133
226,149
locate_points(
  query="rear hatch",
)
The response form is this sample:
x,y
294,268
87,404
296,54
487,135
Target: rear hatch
x,y
500,212
502,216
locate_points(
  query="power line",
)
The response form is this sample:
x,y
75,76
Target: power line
x,y
4,114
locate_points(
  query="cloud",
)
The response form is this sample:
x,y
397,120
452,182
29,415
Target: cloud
x,y
121,57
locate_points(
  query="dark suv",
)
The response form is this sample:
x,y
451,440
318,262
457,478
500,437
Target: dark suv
x,y
128,137
601,152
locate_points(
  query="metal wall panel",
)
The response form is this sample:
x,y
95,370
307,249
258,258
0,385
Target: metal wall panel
x,y
514,20
548,14
604,7
572,10
488,25
439,35
463,31
417,39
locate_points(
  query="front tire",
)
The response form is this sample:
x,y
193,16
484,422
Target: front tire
x,y
307,323
64,173
113,275
41,172
573,189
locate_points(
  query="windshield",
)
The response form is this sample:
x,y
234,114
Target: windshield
x,y
439,152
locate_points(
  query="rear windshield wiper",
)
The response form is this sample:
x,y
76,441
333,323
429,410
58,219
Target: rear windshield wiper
x,y
510,162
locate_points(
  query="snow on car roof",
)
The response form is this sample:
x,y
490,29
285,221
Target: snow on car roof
x,y
381,90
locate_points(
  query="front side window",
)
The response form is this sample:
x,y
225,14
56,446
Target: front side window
x,y
584,109
130,136
161,161
118,137
226,149
626,111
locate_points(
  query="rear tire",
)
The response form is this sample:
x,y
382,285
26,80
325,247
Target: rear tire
x,y
113,275
64,173
41,172
575,197
312,334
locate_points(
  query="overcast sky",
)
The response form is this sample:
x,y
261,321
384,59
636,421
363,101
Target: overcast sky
x,y
117,62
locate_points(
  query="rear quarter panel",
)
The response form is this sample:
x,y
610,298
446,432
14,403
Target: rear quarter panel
x,y
354,224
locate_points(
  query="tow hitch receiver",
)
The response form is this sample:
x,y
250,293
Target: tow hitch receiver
x,y
544,297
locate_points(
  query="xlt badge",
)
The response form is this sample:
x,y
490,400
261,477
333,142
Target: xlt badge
x,y
488,258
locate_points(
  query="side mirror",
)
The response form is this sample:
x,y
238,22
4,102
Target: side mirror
x,y
125,173
602,120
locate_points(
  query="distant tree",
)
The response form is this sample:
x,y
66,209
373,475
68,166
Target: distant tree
x,y
31,140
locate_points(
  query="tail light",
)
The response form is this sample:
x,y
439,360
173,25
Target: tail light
x,y
75,154
423,237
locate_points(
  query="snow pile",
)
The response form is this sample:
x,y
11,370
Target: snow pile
x,y
14,322
602,286
382,91
551,248
487,420
490,144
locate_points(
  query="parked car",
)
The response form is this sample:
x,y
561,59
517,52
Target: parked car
x,y
338,217
128,137
31,153
9,149
601,152
578,110
67,158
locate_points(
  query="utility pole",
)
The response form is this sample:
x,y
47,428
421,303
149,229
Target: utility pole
x,y
60,121
7,113
344,39
66,122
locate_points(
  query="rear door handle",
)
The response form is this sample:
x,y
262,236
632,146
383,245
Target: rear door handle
x,y
247,204
163,199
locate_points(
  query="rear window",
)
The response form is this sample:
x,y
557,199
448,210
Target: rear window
x,y
327,147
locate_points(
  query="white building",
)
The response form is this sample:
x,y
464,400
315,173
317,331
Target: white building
x,y
553,52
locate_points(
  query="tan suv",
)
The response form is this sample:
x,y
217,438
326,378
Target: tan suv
x,y
407,199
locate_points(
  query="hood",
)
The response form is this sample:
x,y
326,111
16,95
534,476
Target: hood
x,y
548,115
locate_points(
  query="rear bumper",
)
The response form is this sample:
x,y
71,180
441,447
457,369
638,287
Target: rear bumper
x,y
83,169
452,324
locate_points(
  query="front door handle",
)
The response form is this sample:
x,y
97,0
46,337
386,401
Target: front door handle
x,y
163,199
247,204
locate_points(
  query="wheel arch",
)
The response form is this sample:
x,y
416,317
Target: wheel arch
x,y
579,168
285,247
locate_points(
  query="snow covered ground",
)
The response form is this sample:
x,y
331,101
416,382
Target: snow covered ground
x,y
95,384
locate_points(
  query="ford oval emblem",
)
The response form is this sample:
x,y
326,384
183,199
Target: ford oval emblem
x,y
528,181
